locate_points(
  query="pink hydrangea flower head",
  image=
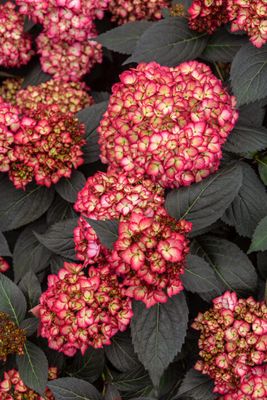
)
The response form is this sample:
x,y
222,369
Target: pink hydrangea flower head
x,y
15,45
150,255
111,195
4,266
167,124
68,62
79,310
124,11
13,388
207,15
233,346
251,17
68,96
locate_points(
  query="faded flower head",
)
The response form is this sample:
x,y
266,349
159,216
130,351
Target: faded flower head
x,y
79,310
13,388
124,11
233,346
15,45
208,15
4,266
12,338
251,17
150,256
9,89
167,124
111,195
68,96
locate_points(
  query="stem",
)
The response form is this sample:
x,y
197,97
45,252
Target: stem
x,y
219,72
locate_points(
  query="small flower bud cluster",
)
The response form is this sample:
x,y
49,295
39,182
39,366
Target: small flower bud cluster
x,y
13,388
150,256
79,310
12,338
251,17
68,62
15,44
68,96
9,89
167,124
111,195
124,11
43,145
4,266
233,346
207,16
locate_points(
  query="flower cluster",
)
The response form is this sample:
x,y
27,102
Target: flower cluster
x,y
124,11
64,46
12,338
111,195
15,45
4,266
150,256
78,310
43,145
68,96
167,124
233,346
207,16
13,388
251,17
9,89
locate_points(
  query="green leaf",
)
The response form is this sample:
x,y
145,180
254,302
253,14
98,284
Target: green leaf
x,y
31,288
169,42
249,74
60,210
59,238
30,325
4,248
233,267
33,368
196,386
200,278
158,333
222,46
134,381
259,240
73,389
249,206
20,207
121,353
88,366
124,38
12,300
205,202
262,164
35,76
107,231
245,139
252,114
68,188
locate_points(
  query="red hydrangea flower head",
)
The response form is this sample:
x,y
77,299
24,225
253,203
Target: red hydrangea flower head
x,y
4,266
232,344
68,96
13,388
124,11
111,195
68,62
79,310
167,124
9,89
251,17
207,15
150,256
15,45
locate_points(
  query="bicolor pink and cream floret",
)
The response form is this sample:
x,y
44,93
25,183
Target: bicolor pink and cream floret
x,y
4,266
150,256
124,11
233,347
80,310
15,44
167,124
207,15
111,195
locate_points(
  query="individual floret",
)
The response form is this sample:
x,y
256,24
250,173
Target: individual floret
x,y
12,338
124,11
150,256
111,195
79,310
4,266
208,15
167,124
233,344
